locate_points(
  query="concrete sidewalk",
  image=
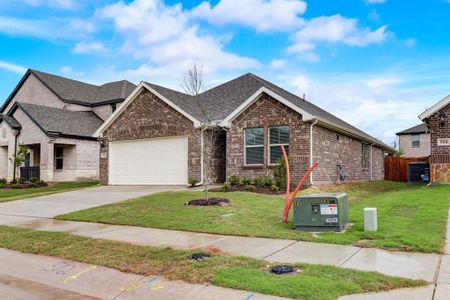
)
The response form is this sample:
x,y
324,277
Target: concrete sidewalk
x,y
29,276
408,265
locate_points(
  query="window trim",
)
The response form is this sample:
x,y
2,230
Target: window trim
x,y
253,146
59,157
412,140
269,145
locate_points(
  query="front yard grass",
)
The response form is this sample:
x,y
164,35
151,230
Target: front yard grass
x,y
410,217
16,194
312,282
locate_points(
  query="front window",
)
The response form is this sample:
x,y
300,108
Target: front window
x,y
278,136
59,158
415,140
254,146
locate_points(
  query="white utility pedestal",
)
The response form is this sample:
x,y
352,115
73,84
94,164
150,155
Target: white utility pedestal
x,y
370,219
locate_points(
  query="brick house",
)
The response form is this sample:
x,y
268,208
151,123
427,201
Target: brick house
x,y
55,117
415,141
159,136
437,118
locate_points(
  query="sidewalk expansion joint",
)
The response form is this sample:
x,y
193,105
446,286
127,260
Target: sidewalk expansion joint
x,y
351,256
124,291
279,250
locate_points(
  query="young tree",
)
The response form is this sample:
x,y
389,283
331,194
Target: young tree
x,y
193,84
19,158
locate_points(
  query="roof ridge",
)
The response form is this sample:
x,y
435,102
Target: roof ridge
x,y
160,86
35,72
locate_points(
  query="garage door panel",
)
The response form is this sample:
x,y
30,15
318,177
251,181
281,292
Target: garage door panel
x,y
151,161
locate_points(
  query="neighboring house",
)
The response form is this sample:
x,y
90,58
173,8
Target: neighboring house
x,y
437,118
56,118
415,141
159,136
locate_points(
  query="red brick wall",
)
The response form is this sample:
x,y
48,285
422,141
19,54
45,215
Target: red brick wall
x,y
267,112
440,155
149,117
330,151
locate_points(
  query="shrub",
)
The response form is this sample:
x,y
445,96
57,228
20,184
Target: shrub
x,y
20,180
32,184
250,188
259,182
226,186
33,180
280,173
267,181
246,181
192,181
3,180
234,180
2,185
42,182
16,185
274,188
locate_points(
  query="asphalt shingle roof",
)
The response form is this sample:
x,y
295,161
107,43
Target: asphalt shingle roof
x,y
421,128
222,100
66,122
11,121
77,91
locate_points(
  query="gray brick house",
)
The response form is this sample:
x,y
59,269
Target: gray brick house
x,y
56,118
437,118
159,136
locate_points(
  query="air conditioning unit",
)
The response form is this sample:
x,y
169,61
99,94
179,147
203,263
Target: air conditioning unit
x,y
321,212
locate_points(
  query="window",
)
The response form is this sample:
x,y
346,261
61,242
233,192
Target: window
x,y
113,107
278,136
415,140
59,158
254,146
365,156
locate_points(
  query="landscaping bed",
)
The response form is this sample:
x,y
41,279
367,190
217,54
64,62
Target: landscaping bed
x,y
410,217
316,282
249,188
209,202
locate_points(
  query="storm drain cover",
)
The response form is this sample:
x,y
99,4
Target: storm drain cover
x,y
199,256
282,269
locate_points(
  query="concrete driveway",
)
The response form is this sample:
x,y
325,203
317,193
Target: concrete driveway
x,y
52,205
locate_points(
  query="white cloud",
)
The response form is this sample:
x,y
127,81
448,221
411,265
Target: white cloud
x,y
264,15
410,42
12,67
94,47
278,63
68,71
163,36
58,4
334,29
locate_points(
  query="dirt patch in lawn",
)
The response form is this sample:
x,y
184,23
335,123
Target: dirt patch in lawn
x,y
209,202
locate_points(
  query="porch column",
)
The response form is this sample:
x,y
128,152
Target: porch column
x,y
47,158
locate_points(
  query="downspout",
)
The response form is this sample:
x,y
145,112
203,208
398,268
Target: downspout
x,y
371,161
16,135
311,159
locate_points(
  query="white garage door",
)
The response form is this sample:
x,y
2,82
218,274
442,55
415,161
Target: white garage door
x,y
150,161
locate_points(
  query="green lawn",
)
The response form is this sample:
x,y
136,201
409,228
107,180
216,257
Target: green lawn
x,y
312,282
410,217
16,194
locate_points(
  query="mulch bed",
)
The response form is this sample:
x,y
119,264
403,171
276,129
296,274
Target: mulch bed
x,y
208,202
241,188
9,186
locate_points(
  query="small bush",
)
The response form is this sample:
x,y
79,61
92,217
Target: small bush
x,y
2,185
234,180
246,181
16,185
250,188
42,182
20,180
267,181
192,181
226,186
259,182
32,184
280,173
3,180
33,180
274,188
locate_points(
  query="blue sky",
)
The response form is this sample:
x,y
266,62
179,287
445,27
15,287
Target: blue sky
x,y
376,64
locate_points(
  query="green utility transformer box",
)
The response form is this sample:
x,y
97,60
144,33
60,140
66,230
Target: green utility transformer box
x,y
321,212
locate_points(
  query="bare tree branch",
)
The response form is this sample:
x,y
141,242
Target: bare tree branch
x,y
193,80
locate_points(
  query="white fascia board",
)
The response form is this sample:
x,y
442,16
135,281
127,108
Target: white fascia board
x,y
131,98
241,108
435,108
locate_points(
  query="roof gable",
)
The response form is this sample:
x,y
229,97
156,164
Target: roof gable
x,y
435,108
421,128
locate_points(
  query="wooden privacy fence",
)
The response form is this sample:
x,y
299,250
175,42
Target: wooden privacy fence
x,y
396,168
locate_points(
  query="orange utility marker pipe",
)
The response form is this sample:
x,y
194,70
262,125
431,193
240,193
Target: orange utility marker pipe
x,y
288,182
